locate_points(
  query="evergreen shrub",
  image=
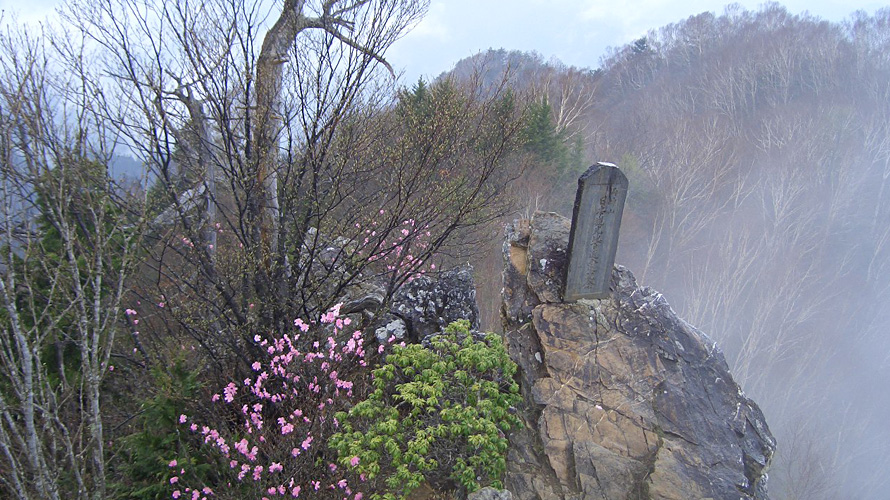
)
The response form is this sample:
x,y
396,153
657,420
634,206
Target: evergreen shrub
x,y
438,413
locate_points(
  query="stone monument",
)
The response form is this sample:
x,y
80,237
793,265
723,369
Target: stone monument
x,y
593,239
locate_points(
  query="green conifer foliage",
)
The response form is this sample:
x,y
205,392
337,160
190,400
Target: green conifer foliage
x,y
437,414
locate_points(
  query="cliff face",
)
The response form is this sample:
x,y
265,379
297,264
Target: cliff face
x,y
623,399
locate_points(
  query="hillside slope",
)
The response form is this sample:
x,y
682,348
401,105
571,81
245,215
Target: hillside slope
x,y
758,150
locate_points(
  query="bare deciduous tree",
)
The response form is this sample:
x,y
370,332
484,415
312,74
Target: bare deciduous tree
x,y
287,168
760,141
68,240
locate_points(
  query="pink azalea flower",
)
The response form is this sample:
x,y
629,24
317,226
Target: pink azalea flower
x,y
241,446
229,392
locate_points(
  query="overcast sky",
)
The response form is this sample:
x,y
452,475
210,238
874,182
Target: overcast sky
x,y
576,32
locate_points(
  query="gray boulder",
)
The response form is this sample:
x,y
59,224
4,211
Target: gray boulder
x,y
427,305
489,493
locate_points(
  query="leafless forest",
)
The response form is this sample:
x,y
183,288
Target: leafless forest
x,y
757,145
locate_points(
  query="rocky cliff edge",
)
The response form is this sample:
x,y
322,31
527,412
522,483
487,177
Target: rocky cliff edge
x,y
623,399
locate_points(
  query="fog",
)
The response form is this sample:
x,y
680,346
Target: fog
x,y
757,145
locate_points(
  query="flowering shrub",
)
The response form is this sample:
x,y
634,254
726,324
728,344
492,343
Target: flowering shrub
x,y
279,420
437,413
395,249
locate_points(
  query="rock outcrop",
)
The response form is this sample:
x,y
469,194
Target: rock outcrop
x,y
427,305
420,307
623,399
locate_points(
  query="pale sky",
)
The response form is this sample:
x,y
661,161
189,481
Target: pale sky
x,y
576,32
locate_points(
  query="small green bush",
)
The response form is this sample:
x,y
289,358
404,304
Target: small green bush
x,y
436,414
144,457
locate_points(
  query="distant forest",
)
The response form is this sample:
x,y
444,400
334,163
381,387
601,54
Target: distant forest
x,y
757,145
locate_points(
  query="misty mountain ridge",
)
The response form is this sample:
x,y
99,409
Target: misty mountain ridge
x,y
125,166
757,144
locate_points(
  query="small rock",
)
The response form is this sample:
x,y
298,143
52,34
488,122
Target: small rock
x,y
489,493
395,328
